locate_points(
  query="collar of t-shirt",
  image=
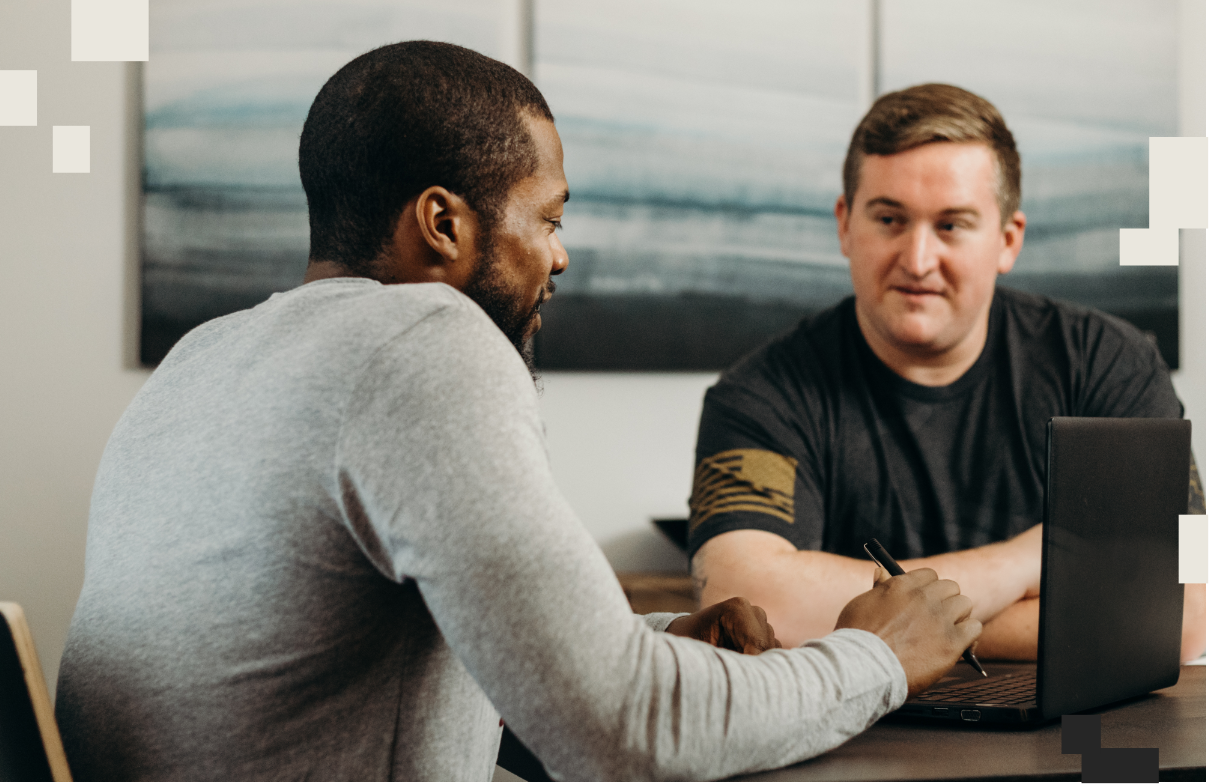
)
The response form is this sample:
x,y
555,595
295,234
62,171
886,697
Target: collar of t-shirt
x,y
889,380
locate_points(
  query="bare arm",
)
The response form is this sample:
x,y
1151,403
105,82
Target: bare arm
x,y
1193,643
1013,633
804,591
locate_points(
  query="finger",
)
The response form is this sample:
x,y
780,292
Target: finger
x,y
739,603
942,589
958,607
766,636
754,638
761,616
745,635
880,575
968,631
770,634
918,577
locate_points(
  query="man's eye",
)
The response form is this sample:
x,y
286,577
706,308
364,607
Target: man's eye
x,y
887,220
557,224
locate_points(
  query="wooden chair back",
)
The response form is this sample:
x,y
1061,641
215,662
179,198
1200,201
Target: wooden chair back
x,y
30,746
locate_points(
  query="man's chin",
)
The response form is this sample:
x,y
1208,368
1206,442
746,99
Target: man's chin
x,y
916,333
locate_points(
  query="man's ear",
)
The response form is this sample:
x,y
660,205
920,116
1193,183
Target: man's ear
x,y
1013,240
447,224
841,223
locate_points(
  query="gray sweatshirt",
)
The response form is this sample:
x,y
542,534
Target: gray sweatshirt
x,y
325,543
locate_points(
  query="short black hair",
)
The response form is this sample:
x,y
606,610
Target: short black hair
x,y
400,119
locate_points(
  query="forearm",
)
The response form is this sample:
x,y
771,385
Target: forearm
x,y
1193,643
993,576
1012,634
803,591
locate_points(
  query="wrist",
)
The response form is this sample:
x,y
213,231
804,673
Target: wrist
x,y
1010,561
664,622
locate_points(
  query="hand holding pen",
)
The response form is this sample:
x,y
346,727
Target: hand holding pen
x,y
884,560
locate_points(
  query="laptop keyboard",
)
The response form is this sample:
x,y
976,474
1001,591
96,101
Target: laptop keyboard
x,y
1003,690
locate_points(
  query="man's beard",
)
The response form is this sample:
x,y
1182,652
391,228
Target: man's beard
x,y
509,312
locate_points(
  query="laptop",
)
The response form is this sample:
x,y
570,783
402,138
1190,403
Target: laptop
x,y
1111,601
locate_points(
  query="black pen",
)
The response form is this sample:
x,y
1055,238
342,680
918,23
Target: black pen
x,y
883,559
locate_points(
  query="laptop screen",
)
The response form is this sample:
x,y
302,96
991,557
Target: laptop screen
x,y
1111,601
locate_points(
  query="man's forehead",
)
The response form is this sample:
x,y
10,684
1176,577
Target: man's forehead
x,y
963,173
541,190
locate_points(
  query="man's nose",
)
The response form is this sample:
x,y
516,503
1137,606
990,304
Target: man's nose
x,y
561,260
920,252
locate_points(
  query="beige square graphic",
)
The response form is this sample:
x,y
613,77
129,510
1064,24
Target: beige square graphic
x,y
1194,549
71,149
109,30
18,97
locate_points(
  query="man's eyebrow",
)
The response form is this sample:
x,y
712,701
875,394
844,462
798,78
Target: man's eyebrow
x,y
883,201
972,211
886,201
559,198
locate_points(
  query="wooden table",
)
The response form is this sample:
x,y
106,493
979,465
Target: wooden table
x,y
1173,720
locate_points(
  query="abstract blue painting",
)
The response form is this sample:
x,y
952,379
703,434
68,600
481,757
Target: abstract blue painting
x,y
703,143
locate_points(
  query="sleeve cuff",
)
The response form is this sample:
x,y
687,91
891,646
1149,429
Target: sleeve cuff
x,y
660,621
883,657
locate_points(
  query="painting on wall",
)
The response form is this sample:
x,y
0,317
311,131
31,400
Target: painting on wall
x,y
703,142
226,90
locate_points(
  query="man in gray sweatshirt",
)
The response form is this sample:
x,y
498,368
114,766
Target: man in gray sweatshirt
x,y
324,539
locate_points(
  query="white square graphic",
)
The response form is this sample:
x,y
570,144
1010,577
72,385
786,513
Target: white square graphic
x,y
1179,182
18,97
1194,549
71,149
1150,247
108,30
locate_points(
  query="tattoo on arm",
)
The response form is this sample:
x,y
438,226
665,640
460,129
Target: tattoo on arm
x,y
1196,491
699,578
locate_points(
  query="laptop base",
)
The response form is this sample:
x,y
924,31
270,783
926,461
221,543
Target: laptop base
x,y
941,702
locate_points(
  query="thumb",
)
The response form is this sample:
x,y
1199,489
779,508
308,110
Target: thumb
x,y
879,574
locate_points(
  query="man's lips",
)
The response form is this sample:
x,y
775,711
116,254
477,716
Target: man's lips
x,y
915,291
546,293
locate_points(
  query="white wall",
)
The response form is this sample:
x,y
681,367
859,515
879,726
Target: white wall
x,y
622,445
66,249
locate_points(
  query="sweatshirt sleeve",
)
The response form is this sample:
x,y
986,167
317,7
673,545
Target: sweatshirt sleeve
x,y
660,621
444,479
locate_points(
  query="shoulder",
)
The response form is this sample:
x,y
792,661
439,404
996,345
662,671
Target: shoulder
x,y
795,360
1084,330
364,318
432,331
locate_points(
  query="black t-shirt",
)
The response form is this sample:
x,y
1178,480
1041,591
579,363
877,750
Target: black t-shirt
x,y
813,438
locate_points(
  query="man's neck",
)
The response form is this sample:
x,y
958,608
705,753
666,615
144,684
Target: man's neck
x,y
321,270
922,365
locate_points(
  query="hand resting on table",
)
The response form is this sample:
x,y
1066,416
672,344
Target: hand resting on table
x,y
733,624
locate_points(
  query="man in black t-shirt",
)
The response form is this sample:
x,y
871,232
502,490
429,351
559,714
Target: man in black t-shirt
x,y
915,411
